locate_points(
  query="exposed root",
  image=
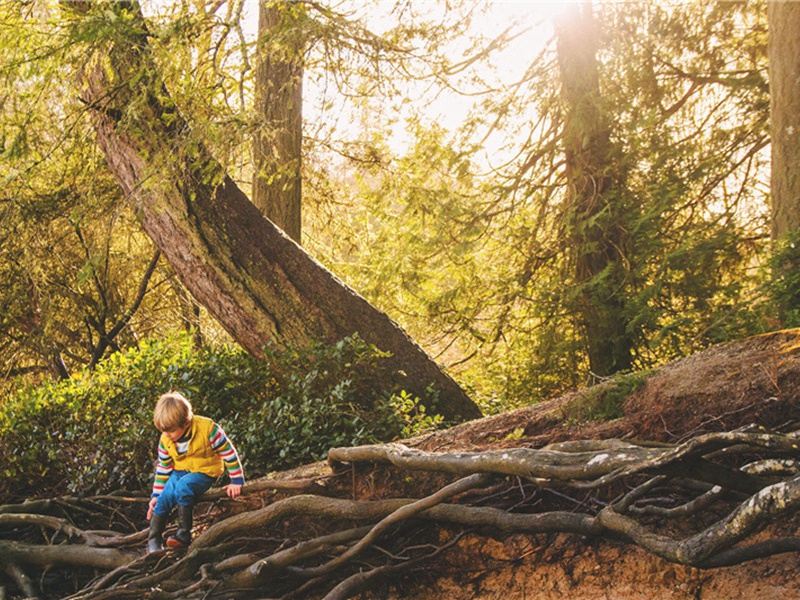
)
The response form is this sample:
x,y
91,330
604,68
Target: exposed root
x,y
744,481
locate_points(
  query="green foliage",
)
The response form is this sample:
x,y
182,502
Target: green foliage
x,y
72,253
94,432
783,287
603,402
473,254
322,397
480,266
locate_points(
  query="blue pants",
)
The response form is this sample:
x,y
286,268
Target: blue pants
x,y
183,488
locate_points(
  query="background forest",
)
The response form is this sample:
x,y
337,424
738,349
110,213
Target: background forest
x,y
543,195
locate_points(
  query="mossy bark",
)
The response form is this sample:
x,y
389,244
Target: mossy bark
x,y
595,207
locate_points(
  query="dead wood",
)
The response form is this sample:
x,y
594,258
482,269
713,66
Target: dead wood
x,y
585,465
72,555
405,512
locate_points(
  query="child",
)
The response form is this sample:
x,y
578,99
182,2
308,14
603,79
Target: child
x,y
192,452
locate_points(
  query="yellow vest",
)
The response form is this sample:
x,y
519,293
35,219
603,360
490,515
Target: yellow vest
x,y
200,458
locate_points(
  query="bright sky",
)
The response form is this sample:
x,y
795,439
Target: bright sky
x,y
533,17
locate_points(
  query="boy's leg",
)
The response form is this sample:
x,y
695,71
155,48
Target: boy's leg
x,y
155,539
182,537
158,520
170,494
190,487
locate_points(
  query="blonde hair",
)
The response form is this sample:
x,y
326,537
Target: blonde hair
x,y
172,411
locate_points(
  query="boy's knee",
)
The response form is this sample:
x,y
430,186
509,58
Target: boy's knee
x,y
163,506
184,496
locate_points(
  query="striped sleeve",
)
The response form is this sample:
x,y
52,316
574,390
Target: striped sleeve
x,y
164,467
224,448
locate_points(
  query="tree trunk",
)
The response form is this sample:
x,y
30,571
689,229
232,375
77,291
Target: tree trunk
x,y
259,284
279,95
784,88
594,209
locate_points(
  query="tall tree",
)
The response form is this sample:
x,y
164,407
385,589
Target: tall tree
x,y
595,223
259,284
784,83
490,263
277,143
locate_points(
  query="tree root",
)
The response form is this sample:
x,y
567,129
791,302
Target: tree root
x,y
667,486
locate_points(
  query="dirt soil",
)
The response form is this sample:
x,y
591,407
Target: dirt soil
x,y
753,381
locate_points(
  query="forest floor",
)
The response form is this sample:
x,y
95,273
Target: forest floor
x,y
752,381
678,428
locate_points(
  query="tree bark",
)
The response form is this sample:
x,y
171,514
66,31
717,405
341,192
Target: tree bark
x,y
277,145
594,207
784,88
259,284
73,555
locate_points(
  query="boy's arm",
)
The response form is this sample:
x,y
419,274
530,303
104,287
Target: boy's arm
x,y
221,445
164,467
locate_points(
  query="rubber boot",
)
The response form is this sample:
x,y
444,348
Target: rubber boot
x,y
155,540
183,537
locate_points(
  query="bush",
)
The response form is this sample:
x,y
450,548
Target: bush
x,y
784,285
94,432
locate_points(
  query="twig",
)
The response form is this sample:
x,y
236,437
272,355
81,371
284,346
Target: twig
x,y
25,583
357,582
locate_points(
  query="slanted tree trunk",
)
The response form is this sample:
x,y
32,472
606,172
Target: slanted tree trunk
x,y
594,201
258,283
279,96
784,91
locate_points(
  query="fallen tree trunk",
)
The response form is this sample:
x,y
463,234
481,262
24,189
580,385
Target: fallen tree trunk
x,y
258,283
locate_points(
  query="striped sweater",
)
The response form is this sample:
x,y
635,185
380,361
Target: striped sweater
x,y
203,449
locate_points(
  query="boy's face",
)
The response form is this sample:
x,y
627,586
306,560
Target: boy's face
x,y
173,435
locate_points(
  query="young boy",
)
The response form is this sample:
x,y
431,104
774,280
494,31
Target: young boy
x,y
192,452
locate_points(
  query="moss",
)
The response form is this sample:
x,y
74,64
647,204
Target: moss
x,y
604,401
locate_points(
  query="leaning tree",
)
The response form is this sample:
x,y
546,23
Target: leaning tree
x,y
258,283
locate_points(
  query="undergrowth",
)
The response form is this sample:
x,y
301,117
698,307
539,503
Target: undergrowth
x,y
94,432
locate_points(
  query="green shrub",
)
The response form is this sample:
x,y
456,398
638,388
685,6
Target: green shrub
x,y
94,432
783,286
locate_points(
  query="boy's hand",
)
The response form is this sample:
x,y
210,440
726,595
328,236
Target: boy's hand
x,y
233,490
150,507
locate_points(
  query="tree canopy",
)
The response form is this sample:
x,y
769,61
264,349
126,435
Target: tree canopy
x,y
469,243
